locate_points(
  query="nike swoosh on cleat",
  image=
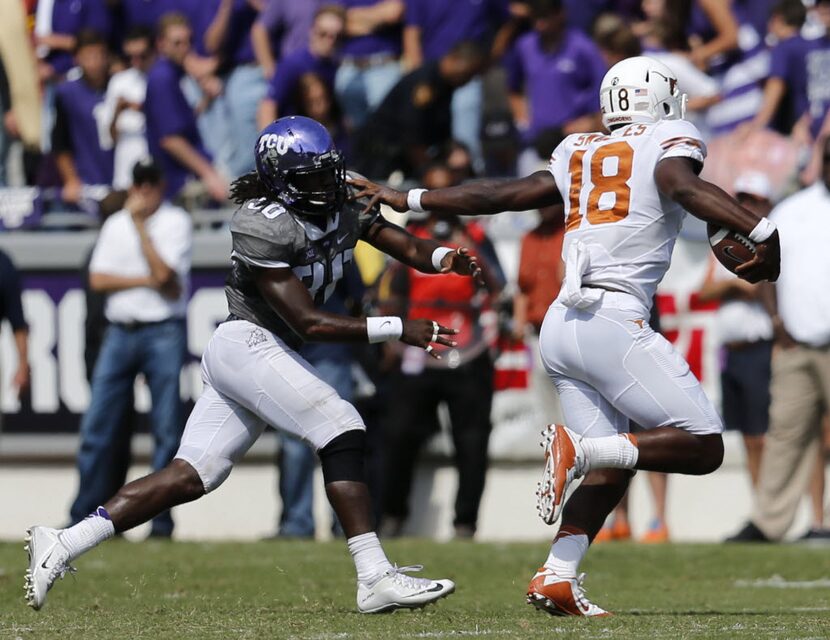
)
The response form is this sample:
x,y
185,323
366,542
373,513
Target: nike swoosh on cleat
x,y
437,587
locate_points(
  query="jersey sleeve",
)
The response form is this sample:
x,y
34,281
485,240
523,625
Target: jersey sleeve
x,y
262,241
557,165
680,139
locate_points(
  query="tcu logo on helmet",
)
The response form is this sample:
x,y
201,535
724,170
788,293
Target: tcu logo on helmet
x,y
281,144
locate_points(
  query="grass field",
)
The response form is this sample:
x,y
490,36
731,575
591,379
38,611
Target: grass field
x,y
306,590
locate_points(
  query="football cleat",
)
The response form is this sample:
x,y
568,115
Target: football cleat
x,y
397,590
48,561
564,463
561,596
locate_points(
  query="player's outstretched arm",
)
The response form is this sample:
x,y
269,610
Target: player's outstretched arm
x,y
286,295
677,179
427,256
479,197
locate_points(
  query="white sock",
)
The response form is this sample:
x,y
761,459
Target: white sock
x,y
567,551
369,559
610,452
88,533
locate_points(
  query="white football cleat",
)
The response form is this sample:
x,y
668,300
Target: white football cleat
x,y
396,590
561,596
48,561
564,463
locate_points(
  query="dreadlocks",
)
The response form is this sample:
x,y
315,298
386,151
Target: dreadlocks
x,y
248,187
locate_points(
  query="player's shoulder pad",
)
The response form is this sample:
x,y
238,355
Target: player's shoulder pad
x,y
263,231
679,138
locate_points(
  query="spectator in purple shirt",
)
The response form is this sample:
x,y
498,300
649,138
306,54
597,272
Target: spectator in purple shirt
x,y
318,57
76,142
369,65
785,90
282,28
56,31
172,135
227,35
554,74
433,27
818,75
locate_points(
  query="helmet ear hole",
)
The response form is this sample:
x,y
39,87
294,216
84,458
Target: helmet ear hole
x,y
666,108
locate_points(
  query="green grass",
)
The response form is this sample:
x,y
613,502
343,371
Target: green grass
x,y
306,590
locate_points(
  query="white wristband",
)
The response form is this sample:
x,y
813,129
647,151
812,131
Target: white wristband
x,y
413,200
383,328
762,231
438,255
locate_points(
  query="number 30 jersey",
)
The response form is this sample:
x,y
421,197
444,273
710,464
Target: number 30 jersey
x,y
266,235
619,229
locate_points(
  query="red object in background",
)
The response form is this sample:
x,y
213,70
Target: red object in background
x,y
513,365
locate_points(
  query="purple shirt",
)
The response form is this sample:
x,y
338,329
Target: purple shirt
x,y
818,82
168,113
387,40
562,84
788,62
283,85
445,23
236,49
72,16
145,13
581,14
77,101
289,22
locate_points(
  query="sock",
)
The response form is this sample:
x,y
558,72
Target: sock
x,y
369,559
566,552
610,452
88,533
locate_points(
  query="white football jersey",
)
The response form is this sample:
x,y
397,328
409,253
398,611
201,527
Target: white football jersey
x,y
620,230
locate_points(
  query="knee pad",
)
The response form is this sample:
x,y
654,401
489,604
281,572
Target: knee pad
x,y
213,470
344,458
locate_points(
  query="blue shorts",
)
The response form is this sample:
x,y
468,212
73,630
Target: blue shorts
x,y
745,390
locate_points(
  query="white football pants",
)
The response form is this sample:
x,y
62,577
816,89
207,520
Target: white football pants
x,y
611,367
252,380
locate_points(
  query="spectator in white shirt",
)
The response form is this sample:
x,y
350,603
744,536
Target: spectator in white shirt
x,y
142,261
745,335
122,115
799,304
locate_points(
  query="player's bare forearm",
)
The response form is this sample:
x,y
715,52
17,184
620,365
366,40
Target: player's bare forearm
x,y
677,179
286,295
402,245
290,299
417,252
479,197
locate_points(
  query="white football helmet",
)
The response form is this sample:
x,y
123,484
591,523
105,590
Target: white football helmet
x,y
640,89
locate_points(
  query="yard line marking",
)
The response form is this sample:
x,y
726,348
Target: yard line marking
x,y
778,582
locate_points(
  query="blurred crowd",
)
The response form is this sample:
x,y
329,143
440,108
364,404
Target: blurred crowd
x,y
433,93
90,86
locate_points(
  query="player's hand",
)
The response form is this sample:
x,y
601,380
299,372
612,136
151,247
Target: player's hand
x,y
377,194
423,333
766,265
461,262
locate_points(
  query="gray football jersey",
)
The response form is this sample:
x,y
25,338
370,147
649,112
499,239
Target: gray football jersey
x,y
266,235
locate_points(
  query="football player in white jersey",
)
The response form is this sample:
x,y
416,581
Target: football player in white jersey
x,y
625,192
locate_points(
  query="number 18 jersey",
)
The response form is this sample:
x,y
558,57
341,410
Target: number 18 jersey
x,y
619,229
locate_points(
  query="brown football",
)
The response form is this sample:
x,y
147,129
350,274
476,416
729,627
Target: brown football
x,y
731,248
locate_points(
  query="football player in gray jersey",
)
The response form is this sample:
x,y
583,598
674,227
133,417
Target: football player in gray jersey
x,y
295,229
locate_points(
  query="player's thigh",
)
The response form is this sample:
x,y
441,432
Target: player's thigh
x,y
657,388
218,433
261,373
586,411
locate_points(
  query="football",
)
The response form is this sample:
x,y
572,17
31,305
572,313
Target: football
x,y
731,248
